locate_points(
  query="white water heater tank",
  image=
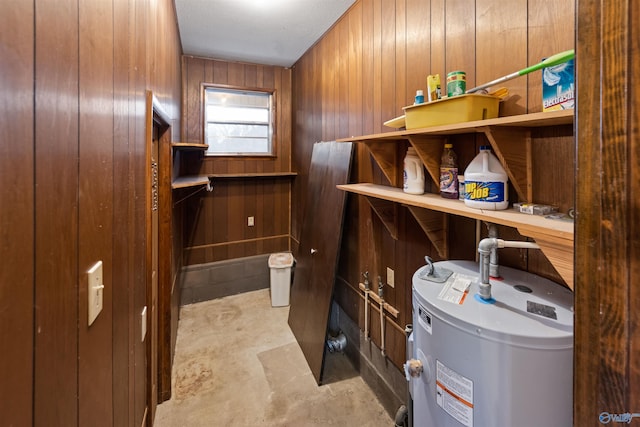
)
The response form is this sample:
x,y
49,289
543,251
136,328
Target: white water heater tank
x,y
508,362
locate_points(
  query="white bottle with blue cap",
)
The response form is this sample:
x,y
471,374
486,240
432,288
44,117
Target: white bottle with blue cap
x,y
485,182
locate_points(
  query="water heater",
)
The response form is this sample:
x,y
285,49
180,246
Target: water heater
x,y
503,362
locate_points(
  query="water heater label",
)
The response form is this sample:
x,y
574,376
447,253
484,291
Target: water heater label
x,y
454,394
425,319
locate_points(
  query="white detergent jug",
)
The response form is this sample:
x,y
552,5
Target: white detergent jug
x,y
413,173
485,182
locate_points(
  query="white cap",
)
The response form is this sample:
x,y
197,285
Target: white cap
x,y
419,92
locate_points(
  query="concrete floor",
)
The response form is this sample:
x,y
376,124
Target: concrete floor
x,y
238,364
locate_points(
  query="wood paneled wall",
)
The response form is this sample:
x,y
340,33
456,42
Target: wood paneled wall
x,y
72,189
607,258
17,223
369,65
216,223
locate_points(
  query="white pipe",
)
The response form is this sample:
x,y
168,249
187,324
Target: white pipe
x,y
366,314
382,323
382,348
366,305
516,244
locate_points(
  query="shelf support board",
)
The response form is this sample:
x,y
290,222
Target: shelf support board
x,y
512,146
387,211
429,149
386,156
374,296
435,226
559,252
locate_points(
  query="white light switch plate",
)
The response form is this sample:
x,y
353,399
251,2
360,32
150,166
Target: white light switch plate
x,y
391,281
95,290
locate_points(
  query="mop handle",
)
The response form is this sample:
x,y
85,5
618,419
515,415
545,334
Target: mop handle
x,y
556,59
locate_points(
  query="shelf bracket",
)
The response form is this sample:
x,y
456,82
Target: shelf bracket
x,y
559,252
435,225
429,149
512,146
386,156
387,211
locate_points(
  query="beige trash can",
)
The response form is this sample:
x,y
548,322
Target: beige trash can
x,y
280,265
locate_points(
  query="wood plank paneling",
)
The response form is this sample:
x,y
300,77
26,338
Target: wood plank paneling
x,y
551,29
138,161
95,206
56,214
231,202
123,362
392,47
216,223
459,32
607,301
17,212
418,53
501,32
71,194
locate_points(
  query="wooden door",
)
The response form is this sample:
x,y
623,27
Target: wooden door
x,y
318,252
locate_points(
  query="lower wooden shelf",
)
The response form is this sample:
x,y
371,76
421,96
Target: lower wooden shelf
x,y
554,237
189,181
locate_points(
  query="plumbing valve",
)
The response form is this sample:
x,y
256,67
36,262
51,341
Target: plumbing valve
x,y
413,368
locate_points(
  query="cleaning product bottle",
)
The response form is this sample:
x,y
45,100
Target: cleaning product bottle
x,y
485,182
449,173
413,173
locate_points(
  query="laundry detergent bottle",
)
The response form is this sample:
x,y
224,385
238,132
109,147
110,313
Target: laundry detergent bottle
x,y
485,182
413,173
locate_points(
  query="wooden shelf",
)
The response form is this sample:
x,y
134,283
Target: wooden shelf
x,y
253,175
552,118
189,146
554,237
189,181
196,180
510,139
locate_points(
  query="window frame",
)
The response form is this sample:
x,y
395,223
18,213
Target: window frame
x,y
273,121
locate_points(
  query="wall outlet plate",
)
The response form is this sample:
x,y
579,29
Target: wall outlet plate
x,y
391,280
95,291
143,323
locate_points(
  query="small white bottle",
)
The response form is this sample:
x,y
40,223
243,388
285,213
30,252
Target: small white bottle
x,y
413,173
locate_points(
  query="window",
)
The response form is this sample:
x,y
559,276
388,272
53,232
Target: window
x,y
238,122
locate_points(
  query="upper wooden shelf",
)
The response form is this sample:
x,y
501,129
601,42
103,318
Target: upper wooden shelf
x,y
551,118
189,146
510,139
253,175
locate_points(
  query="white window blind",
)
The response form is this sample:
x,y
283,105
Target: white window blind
x,y
238,122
